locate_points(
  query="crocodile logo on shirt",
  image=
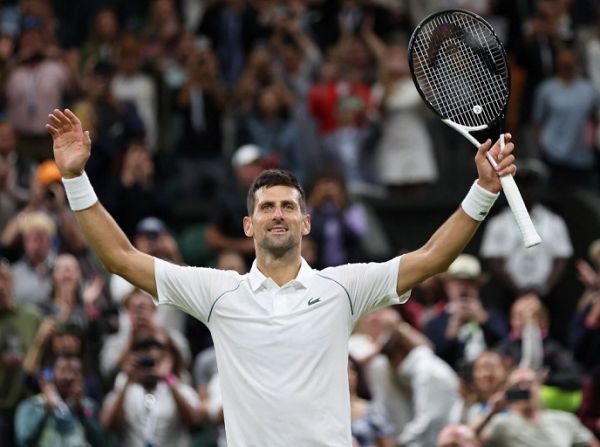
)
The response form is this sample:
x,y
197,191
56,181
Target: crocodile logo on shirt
x,y
313,300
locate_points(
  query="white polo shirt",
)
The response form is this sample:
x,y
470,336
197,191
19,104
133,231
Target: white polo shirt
x,y
282,352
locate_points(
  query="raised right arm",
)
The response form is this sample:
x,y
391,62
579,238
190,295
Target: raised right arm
x,y
71,151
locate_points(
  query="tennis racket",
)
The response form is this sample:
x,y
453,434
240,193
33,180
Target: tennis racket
x,y
459,67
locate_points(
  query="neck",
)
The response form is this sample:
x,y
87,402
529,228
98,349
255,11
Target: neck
x,y
528,412
280,269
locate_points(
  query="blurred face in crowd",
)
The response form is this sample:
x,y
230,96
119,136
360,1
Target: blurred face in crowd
x,y
489,373
567,64
66,344
277,223
397,64
527,308
268,103
67,372
148,350
141,309
36,242
106,25
66,270
460,288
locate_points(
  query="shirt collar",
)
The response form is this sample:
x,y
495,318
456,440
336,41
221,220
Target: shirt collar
x,y
257,279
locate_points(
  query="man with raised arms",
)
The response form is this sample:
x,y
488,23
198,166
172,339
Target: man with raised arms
x,y
281,331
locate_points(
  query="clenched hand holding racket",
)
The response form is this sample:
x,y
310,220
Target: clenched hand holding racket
x,y
460,69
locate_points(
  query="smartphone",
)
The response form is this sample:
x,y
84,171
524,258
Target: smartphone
x,y
517,394
145,362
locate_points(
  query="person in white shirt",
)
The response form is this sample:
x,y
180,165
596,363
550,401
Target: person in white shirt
x,y
517,268
422,383
281,331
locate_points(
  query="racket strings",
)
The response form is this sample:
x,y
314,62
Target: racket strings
x,y
461,69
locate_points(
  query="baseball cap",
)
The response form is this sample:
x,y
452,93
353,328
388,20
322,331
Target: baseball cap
x,y
465,267
246,154
47,172
150,225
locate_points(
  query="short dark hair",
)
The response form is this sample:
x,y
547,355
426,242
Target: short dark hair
x,y
274,177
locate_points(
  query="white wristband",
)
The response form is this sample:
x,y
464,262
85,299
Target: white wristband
x,y
478,202
80,192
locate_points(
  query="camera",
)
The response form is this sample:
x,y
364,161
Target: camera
x,y
517,394
49,194
145,362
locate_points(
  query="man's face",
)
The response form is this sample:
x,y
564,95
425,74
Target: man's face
x,y
66,372
277,223
457,289
37,244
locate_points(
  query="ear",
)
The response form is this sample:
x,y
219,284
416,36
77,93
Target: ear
x,y
306,224
248,228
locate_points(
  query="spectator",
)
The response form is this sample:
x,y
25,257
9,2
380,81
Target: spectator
x,y
54,339
405,158
199,108
113,124
370,427
225,231
530,345
149,404
585,327
269,126
141,313
152,237
488,376
102,40
131,84
18,326
232,28
136,193
457,436
339,225
519,269
33,272
34,86
527,424
48,196
465,329
565,108
15,175
425,385
61,414
589,411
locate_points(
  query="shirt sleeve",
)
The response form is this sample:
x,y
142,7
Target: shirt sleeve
x,y
561,242
581,435
192,289
369,286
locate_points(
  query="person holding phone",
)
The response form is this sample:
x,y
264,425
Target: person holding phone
x,y
527,424
61,414
150,405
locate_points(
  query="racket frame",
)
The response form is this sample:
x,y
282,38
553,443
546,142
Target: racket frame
x,y
509,186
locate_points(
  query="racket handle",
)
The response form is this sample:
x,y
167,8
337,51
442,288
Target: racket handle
x,y
515,201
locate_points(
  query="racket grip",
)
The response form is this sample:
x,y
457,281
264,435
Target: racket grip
x,y
515,201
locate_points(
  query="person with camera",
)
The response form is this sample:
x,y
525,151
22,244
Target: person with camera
x,y
527,424
61,414
47,196
150,405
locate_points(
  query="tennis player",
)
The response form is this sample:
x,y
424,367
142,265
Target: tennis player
x,y
281,331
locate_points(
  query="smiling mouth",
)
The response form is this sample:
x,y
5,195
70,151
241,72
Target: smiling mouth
x,y
278,230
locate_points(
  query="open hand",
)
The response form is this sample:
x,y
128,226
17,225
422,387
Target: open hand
x,y
71,144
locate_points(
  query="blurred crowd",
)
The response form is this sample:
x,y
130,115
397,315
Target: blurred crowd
x,y
186,102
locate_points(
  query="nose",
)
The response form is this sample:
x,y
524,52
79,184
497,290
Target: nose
x,y
277,213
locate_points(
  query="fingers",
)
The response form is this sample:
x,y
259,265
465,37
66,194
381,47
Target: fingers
x,y
52,130
72,118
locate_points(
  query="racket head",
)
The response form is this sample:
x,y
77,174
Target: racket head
x,y
459,67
